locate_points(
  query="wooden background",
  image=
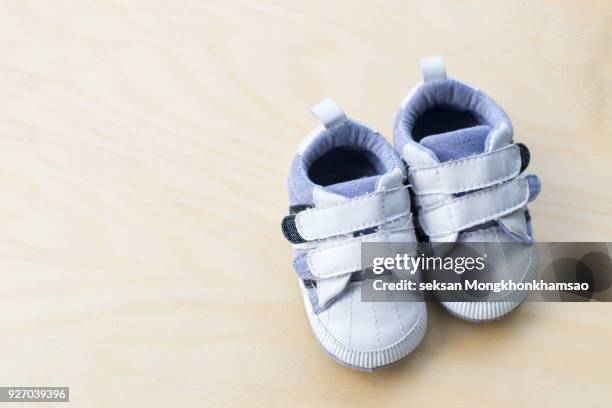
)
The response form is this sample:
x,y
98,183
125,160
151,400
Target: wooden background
x,y
144,147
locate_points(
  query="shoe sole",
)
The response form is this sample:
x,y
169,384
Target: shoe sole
x,y
368,360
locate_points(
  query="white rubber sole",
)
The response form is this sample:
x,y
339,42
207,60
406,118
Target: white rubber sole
x,y
480,312
368,360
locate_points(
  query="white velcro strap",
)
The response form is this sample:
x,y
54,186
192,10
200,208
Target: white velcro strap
x,y
328,112
476,208
341,258
432,68
471,173
366,211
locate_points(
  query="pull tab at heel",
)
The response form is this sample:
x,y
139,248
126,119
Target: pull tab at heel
x,y
329,113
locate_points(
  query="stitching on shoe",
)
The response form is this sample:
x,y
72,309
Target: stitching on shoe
x,y
514,172
376,324
521,203
352,227
365,238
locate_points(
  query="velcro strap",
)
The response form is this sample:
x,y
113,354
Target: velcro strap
x,y
355,214
342,258
476,208
471,173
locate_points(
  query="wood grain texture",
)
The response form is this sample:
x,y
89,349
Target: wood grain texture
x,y
144,147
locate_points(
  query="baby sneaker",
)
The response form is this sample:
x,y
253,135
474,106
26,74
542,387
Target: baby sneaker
x,y
346,188
466,178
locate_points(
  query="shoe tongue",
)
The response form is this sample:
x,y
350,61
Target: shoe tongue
x,y
458,143
339,192
354,188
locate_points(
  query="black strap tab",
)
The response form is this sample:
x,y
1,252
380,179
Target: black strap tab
x,y
288,224
525,156
290,230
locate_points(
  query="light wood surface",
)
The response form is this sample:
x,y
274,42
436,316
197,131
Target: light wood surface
x,y
144,147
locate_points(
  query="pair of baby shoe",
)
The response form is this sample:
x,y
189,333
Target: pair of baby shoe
x,y
453,175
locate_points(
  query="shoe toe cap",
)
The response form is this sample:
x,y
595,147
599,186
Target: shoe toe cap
x,y
368,335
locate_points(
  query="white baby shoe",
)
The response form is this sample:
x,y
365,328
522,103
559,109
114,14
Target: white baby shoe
x,y
346,188
467,179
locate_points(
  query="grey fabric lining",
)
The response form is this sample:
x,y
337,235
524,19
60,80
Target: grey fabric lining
x,y
458,143
355,188
534,186
351,134
448,92
300,264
